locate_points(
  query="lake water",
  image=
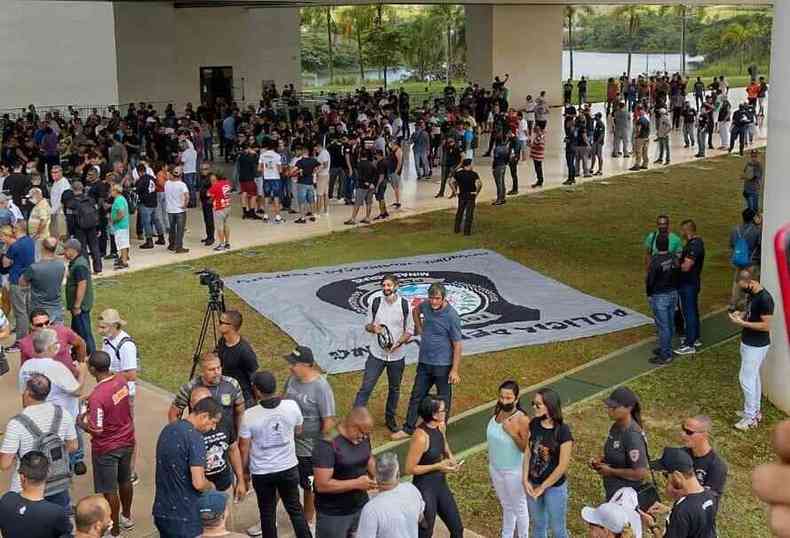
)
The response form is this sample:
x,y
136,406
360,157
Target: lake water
x,y
594,65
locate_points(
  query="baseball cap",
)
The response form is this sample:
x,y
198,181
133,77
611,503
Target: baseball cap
x,y
621,397
265,382
300,354
610,516
111,316
211,505
466,162
673,459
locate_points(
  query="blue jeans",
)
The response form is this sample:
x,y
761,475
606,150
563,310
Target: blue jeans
x,y
689,295
427,376
61,499
150,220
374,367
752,200
549,511
174,528
191,181
81,324
663,306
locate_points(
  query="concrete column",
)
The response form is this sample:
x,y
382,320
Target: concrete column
x,y
524,41
776,369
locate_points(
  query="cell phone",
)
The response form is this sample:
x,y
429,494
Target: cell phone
x,y
782,251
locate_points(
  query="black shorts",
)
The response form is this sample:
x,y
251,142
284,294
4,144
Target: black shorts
x,y
112,469
305,472
381,190
222,481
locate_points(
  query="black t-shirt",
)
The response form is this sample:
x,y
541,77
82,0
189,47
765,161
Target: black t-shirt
x,y
248,166
146,190
347,461
22,518
694,249
662,274
624,449
17,185
711,471
466,180
382,169
366,174
239,362
336,157
693,516
758,305
544,450
452,155
218,470
307,166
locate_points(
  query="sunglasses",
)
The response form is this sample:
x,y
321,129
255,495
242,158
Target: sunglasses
x,y
688,432
223,322
537,404
40,325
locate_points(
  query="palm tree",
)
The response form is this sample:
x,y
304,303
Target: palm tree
x,y
632,16
739,36
451,17
683,12
355,22
315,18
329,25
571,12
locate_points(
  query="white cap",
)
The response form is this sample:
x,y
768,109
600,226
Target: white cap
x,y
610,516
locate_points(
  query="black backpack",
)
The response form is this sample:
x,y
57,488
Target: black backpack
x,y
404,304
132,200
86,212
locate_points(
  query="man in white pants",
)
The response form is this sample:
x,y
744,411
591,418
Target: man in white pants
x,y
755,341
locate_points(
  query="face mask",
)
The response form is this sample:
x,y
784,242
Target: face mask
x,y
507,408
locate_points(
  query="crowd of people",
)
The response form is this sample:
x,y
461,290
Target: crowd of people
x,y
231,431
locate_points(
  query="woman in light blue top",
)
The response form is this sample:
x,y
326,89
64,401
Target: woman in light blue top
x,y
507,435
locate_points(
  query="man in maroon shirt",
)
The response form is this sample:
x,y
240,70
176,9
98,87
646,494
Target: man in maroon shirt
x,y
108,420
68,339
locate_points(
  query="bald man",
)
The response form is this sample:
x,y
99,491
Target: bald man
x,y
223,459
92,517
710,469
344,468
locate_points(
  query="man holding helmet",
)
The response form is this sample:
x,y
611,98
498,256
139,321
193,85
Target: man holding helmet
x,y
390,322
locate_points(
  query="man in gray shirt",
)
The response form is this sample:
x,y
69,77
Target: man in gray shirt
x,y
752,181
622,126
308,388
45,278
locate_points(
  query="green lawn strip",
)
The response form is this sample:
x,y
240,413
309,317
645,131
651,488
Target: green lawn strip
x,y
706,384
588,237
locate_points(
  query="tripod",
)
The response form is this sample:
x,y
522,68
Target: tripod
x,y
214,309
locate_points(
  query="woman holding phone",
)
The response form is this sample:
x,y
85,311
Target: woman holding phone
x,y
507,434
545,465
428,461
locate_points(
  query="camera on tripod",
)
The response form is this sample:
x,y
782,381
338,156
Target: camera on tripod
x,y
212,280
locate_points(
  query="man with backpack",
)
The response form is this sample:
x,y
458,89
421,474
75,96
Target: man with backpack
x,y
86,221
391,325
43,426
745,247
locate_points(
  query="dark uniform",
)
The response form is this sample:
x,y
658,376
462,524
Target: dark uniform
x,y
467,192
624,449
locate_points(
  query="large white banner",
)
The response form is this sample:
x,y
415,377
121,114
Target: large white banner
x,y
502,304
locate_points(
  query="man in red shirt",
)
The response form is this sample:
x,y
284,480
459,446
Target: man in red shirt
x,y
68,340
219,192
108,420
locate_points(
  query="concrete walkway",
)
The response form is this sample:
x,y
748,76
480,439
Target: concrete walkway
x,y
417,196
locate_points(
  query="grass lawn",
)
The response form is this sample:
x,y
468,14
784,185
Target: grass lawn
x,y
589,238
666,400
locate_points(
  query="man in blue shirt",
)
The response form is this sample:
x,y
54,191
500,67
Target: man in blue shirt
x,y
439,362
20,255
180,471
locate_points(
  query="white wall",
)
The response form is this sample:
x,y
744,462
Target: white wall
x,y
524,41
54,53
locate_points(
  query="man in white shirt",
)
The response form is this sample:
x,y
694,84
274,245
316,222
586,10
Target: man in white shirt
x,y
322,190
270,164
391,327
397,509
268,454
120,347
18,440
176,203
59,185
188,158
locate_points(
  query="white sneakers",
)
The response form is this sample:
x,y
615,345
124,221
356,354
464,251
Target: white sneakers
x,y
746,424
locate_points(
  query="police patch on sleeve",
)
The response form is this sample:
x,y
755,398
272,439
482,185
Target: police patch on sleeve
x,y
634,455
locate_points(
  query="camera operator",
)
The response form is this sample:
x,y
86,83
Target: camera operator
x,y
238,359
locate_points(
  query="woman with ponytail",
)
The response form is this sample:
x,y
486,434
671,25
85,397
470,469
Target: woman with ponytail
x,y
507,435
625,461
